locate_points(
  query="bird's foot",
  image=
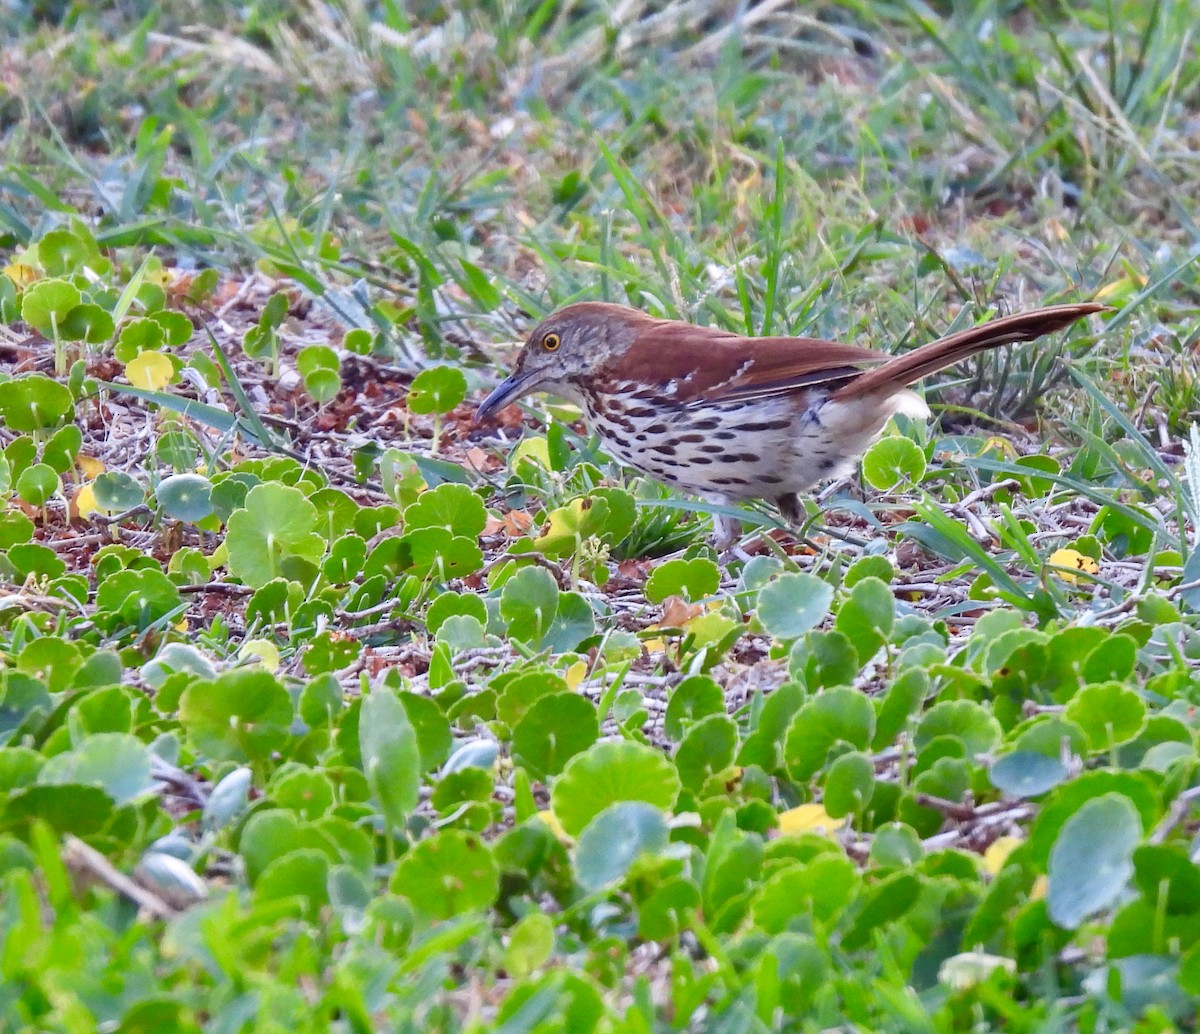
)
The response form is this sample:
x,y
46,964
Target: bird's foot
x,y
726,532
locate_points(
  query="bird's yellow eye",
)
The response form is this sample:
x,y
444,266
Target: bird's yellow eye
x,y
551,342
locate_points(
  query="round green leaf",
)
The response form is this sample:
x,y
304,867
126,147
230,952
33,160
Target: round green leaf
x,y
869,567
243,715
793,603
694,698
34,402
300,874
839,715
849,785
176,327
1092,860
62,449
185,497
528,603
139,598
963,720
323,385
691,579
552,731
88,323
1026,773
1109,713
453,507
821,889
448,604
276,524
867,616
138,336
708,748
615,839
37,484
312,358
450,873
391,755
893,460
116,762
437,553
45,305
437,390
1067,799
358,341
304,791
1166,871
117,491
896,846
518,692
610,772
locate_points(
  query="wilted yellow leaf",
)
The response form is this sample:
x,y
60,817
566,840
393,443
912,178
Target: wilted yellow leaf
x,y
150,370
89,466
576,673
809,818
1001,445
1074,559
997,853
85,502
533,448
1120,289
20,274
555,827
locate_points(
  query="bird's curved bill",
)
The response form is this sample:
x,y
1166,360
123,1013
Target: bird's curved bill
x,y
508,390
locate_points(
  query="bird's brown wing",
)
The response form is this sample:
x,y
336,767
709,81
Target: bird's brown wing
x,y
704,365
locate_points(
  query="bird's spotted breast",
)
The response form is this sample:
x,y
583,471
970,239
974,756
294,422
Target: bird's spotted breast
x,y
727,449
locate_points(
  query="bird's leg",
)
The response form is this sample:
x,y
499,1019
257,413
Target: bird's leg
x,y
727,531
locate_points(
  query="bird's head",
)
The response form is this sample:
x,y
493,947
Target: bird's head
x,y
564,351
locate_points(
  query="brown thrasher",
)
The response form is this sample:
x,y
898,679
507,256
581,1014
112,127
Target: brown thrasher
x,y
727,417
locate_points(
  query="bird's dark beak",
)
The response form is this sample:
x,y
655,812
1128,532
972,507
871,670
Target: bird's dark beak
x,y
509,390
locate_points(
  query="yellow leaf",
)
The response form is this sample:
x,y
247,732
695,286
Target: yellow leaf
x,y
1000,445
266,652
1038,890
89,466
150,370
710,629
20,274
576,673
997,853
568,525
219,557
555,827
85,502
1072,558
1121,289
533,448
809,818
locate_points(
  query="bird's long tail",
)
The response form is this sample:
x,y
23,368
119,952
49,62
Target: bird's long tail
x,y
920,362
